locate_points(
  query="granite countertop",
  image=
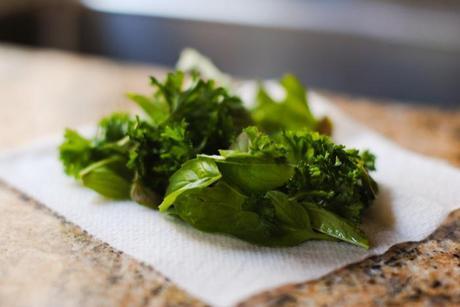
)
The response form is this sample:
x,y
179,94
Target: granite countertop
x,y
47,261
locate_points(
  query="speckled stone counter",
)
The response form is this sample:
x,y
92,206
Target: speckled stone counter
x,y
47,261
414,273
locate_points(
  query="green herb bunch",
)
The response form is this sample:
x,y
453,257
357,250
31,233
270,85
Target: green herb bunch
x,y
133,157
276,190
278,182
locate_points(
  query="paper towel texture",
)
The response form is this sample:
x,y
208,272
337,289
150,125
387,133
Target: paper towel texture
x,y
416,195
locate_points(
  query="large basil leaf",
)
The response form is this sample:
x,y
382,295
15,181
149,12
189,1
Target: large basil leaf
x,y
220,209
213,209
252,173
196,173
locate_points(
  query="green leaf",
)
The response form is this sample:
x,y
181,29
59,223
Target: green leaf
x,y
253,174
112,128
212,209
103,178
196,173
241,143
331,224
78,152
293,112
170,89
368,159
295,236
219,208
289,211
156,109
75,152
253,141
296,98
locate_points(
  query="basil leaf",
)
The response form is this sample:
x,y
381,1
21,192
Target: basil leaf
x,y
251,173
331,224
220,209
292,112
289,211
105,177
156,109
196,173
212,209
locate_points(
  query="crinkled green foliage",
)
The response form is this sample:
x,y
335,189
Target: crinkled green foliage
x,y
181,121
291,113
277,189
292,186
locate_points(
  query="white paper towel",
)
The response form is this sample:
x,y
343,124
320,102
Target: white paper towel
x,y
416,195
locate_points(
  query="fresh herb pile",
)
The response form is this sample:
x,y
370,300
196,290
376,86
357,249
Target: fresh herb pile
x,y
268,175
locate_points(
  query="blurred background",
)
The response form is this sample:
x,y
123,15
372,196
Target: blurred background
x,y
393,49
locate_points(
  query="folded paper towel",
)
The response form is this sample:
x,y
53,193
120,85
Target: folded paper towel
x,y
416,194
